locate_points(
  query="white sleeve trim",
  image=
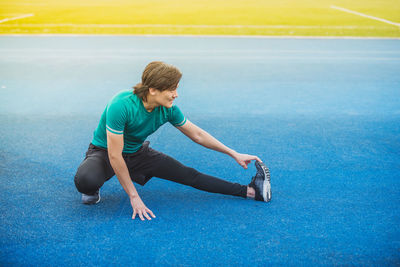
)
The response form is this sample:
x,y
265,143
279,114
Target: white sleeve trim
x,y
114,131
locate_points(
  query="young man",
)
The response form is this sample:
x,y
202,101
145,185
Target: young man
x,y
119,147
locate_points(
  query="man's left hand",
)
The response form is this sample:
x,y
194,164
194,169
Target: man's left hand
x,y
244,159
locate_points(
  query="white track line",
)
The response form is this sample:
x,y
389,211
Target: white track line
x,y
364,15
195,51
192,26
19,17
76,35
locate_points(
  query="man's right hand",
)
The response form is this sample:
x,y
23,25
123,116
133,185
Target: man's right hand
x,y
140,209
115,143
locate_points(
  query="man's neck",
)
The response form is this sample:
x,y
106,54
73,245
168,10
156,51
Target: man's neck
x,y
149,105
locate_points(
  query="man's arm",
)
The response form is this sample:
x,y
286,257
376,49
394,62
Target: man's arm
x,y
203,138
115,145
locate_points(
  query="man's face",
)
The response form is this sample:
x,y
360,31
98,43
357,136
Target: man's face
x,y
166,97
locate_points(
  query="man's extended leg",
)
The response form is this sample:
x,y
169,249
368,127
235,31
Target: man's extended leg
x,y
165,167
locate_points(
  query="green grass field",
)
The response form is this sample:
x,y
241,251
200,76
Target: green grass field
x,y
207,17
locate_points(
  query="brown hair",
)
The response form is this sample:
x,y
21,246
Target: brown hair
x,y
158,75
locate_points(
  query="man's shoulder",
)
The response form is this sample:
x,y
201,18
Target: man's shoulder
x,y
124,97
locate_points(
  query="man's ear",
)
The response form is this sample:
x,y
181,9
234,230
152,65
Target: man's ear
x,y
152,91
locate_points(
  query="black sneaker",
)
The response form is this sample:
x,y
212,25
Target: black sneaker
x,y
262,183
91,199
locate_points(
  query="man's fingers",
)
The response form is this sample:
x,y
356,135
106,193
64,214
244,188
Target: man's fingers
x,y
256,158
134,215
151,213
141,215
146,215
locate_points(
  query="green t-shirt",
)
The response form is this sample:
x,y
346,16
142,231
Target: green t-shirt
x,y
125,114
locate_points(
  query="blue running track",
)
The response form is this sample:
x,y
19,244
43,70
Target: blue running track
x,y
324,114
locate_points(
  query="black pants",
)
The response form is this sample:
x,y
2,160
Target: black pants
x,y
143,165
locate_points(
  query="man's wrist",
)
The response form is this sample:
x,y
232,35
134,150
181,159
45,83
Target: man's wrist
x,y
232,153
133,196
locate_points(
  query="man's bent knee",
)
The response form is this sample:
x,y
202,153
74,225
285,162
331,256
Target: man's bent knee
x,y
87,183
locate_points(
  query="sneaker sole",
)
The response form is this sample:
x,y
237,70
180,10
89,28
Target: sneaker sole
x,y
267,181
89,203
98,200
